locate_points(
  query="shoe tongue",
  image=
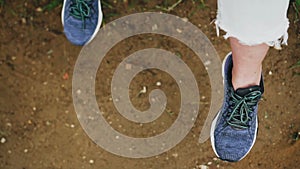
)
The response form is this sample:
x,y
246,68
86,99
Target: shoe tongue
x,y
244,91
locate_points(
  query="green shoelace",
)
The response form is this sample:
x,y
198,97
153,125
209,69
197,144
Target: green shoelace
x,y
81,10
241,107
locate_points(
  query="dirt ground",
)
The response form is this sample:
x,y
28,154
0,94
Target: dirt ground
x,y
38,125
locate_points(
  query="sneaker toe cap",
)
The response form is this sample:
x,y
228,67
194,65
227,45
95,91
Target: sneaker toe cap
x,y
233,146
76,33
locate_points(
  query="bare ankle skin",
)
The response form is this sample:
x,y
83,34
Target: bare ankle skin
x,y
247,63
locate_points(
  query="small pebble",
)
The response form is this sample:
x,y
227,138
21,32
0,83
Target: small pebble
x,y
72,126
3,140
23,20
154,27
270,72
175,155
128,66
209,163
25,150
184,19
144,90
206,63
158,83
91,161
9,151
48,123
203,167
39,9
50,52
178,30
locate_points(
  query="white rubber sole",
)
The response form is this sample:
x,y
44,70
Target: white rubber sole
x,y
100,18
213,124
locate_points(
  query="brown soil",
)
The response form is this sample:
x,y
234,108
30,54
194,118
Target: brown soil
x,y
37,117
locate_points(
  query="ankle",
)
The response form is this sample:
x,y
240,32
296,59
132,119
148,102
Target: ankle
x,y
246,79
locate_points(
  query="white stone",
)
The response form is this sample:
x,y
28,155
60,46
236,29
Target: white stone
x,y
3,140
175,155
158,83
270,72
203,167
144,90
128,66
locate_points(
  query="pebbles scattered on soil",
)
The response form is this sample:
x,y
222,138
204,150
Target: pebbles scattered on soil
x,y
70,125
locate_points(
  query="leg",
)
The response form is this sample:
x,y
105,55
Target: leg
x,y
234,129
247,63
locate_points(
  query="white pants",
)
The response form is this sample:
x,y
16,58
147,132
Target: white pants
x,y
254,22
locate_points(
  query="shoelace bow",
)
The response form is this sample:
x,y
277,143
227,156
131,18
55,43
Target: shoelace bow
x,y
240,108
80,9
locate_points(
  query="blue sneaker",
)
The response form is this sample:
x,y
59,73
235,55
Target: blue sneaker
x,y
81,20
234,129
